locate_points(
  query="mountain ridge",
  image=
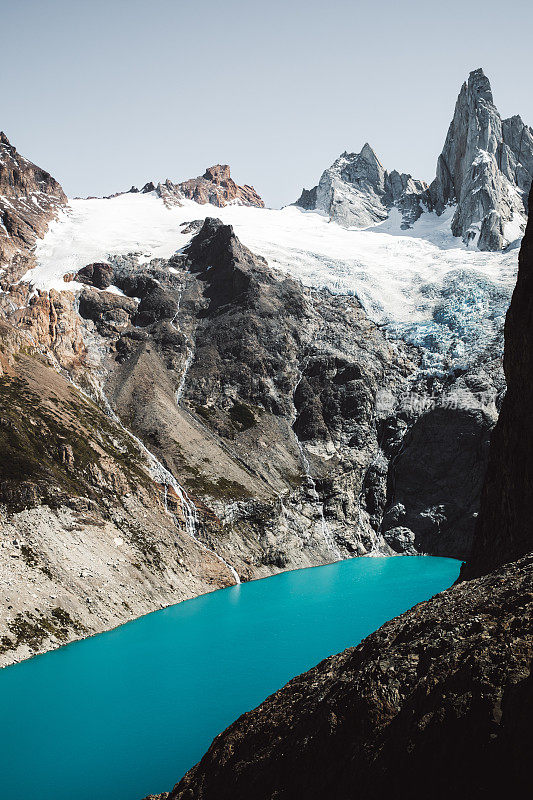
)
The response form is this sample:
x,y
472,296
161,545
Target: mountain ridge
x,y
215,186
484,171
29,199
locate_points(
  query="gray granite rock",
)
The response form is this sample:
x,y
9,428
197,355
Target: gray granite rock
x,y
357,191
484,169
484,172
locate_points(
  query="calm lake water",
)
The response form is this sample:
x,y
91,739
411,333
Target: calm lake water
x,y
126,713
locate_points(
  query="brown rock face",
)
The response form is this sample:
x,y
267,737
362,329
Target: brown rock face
x,y
29,199
215,186
51,321
505,528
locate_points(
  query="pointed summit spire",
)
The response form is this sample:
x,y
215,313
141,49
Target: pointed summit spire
x,y
485,171
369,154
485,168
478,86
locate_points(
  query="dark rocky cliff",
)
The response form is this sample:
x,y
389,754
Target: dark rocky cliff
x,y
294,410
505,528
438,702
433,705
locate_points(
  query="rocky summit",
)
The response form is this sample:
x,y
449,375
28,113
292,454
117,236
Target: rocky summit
x,y
483,173
485,169
215,186
357,191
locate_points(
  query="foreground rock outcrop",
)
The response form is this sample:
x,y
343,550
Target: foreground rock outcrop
x,y
438,701
484,172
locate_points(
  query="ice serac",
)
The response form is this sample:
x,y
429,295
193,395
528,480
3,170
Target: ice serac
x,y
29,199
356,191
485,169
215,186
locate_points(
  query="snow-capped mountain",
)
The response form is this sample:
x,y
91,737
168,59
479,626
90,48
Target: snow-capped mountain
x,y
356,191
483,174
421,282
284,375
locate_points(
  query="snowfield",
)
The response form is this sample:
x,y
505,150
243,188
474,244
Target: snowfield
x,y
423,283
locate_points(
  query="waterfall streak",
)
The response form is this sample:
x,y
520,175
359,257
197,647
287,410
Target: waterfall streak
x,y
159,473
311,486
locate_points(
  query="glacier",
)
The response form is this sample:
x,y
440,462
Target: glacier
x,y
421,284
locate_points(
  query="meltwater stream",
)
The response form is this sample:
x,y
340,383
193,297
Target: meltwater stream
x,y
126,713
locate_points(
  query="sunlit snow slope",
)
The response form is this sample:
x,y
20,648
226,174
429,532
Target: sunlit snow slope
x,y
422,283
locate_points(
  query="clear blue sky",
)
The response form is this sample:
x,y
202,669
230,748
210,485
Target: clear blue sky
x,y
107,94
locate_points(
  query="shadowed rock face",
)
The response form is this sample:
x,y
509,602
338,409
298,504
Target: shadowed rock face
x,y
505,528
434,704
436,482
437,702
29,199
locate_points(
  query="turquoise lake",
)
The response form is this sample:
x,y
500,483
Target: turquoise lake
x,y
126,713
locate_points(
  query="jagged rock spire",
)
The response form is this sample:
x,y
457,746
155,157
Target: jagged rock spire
x,y
485,170
358,191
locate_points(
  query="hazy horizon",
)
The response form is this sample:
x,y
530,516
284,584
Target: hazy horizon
x,y
112,94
